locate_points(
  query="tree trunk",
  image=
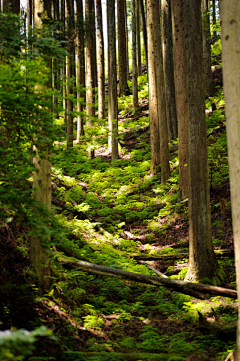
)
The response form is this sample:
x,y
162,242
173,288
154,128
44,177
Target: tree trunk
x,y
164,152
230,25
126,31
101,67
112,81
89,35
138,30
64,91
208,83
80,70
134,57
202,261
214,17
171,110
70,71
153,99
122,49
180,91
144,32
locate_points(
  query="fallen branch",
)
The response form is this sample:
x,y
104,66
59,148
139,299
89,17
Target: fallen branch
x,y
188,288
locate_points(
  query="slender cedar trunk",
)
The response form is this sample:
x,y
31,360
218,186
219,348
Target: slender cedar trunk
x,y
41,183
164,151
144,31
153,99
112,80
202,262
171,110
101,65
80,69
180,91
94,52
126,32
64,89
122,47
70,71
30,15
138,29
89,37
230,26
214,17
134,57
56,68
208,83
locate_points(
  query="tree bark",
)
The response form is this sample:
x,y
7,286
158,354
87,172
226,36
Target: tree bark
x,y
214,17
144,29
202,261
112,81
134,56
171,110
81,98
126,31
101,67
122,48
138,30
161,94
180,91
70,71
230,25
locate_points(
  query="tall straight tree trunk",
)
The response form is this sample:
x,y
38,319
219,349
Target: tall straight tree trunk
x,y
80,69
153,98
180,89
134,56
41,184
164,151
56,68
171,110
94,51
122,47
207,49
64,90
214,17
230,25
202,262
70,71
144,29
89,36
112,81
138,30
126,31
101,65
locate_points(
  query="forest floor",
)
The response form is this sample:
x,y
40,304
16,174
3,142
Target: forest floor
x,y
120,216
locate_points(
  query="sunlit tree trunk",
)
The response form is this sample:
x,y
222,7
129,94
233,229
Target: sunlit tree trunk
x,y
70,71
168,70
101,66
112,81
80,69
134,56
122,50
138,30
126,32
63,28
230,25
89,35
144,29
41,185
180,89
214,17
202,262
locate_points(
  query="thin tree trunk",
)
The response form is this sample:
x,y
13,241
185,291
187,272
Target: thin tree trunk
x,y
101,66
70,71
202,261
144,31
138,30
230,25
122,47
164,151
126,31
112,81
80,70
214,17
134,57
180,89
171,110
64,90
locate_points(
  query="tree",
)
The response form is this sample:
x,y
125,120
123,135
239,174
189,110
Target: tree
x,y
122,48
144,31
180,91
134,56
70,71
171,110
101,67
112,81
80,69
230,25
202,262
126,31
138,31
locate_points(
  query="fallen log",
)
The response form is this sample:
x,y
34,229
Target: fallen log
x,y
193,289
